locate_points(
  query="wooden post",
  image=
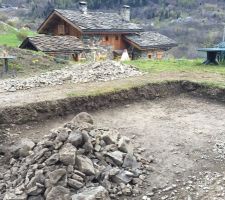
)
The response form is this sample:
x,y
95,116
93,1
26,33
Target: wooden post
x,y
211,58
5,65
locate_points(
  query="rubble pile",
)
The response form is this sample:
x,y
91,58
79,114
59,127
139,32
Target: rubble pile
x,y
92,72
75,162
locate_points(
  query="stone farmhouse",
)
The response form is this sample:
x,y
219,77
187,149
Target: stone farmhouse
x,y
75,33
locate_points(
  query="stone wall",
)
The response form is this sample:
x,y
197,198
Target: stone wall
x,y
99,51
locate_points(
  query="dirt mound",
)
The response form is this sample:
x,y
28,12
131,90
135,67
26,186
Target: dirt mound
x,y
74,162
91,72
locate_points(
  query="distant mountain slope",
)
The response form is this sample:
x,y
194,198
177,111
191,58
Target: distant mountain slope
x,y
192,23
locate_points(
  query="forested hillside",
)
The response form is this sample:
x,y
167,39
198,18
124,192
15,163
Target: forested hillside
x,y
192,23
149,5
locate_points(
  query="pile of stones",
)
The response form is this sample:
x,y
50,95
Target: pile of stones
x,y
74,162
92,72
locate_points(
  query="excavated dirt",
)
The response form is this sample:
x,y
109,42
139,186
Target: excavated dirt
x,y
184,136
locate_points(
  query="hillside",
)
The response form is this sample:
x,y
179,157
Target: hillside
x,y
12,36
30,62
192,23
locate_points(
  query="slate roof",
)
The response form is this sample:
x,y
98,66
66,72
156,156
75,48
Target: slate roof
x,y
99,21
48,43
151,40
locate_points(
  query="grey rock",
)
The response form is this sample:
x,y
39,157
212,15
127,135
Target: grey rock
x,y
79,173
34,191
39,154
39,197
125,145
76,139
67,154
75,184
117,157
27,142
12,89
58,145
85,126
131,162
77,177
88,147
39,176
53,159
122,177
85,136
83,118
59,193
58,176
13,196
97,147
63,134
70,169
22,147
2,187
92,194
37,180
85,165
110,137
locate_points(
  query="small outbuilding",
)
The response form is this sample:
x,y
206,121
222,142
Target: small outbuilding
x,y
58,46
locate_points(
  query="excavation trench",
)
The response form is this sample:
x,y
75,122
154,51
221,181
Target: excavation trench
x,y
182,134
40,111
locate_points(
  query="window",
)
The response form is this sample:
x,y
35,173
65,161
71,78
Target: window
x,y
149,56
106,38
117,37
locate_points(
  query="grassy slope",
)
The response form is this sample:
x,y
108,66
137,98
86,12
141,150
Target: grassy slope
x,y
8,35
173,65
11,40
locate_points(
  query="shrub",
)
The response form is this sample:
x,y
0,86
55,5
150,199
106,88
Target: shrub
x,y
11,23
3,17
22,34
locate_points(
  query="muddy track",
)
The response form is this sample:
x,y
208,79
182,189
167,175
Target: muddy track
x,y
72,105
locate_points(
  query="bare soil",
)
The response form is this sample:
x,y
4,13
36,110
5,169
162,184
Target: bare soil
x,y
179,133
52,93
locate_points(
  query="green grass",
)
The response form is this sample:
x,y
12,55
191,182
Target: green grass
x,y
173,65
10,38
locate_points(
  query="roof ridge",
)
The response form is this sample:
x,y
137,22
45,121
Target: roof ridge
x,y
88,11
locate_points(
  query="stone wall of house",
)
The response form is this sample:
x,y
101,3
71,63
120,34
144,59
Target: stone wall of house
x,y
98,51
153,54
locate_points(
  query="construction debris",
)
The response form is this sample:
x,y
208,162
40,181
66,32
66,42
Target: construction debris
x,y
99,71
76,161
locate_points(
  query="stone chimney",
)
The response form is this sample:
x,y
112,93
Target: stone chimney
x,y
83,7
125,13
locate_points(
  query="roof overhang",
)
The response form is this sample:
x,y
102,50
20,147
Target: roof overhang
x,y
66,49
26,41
